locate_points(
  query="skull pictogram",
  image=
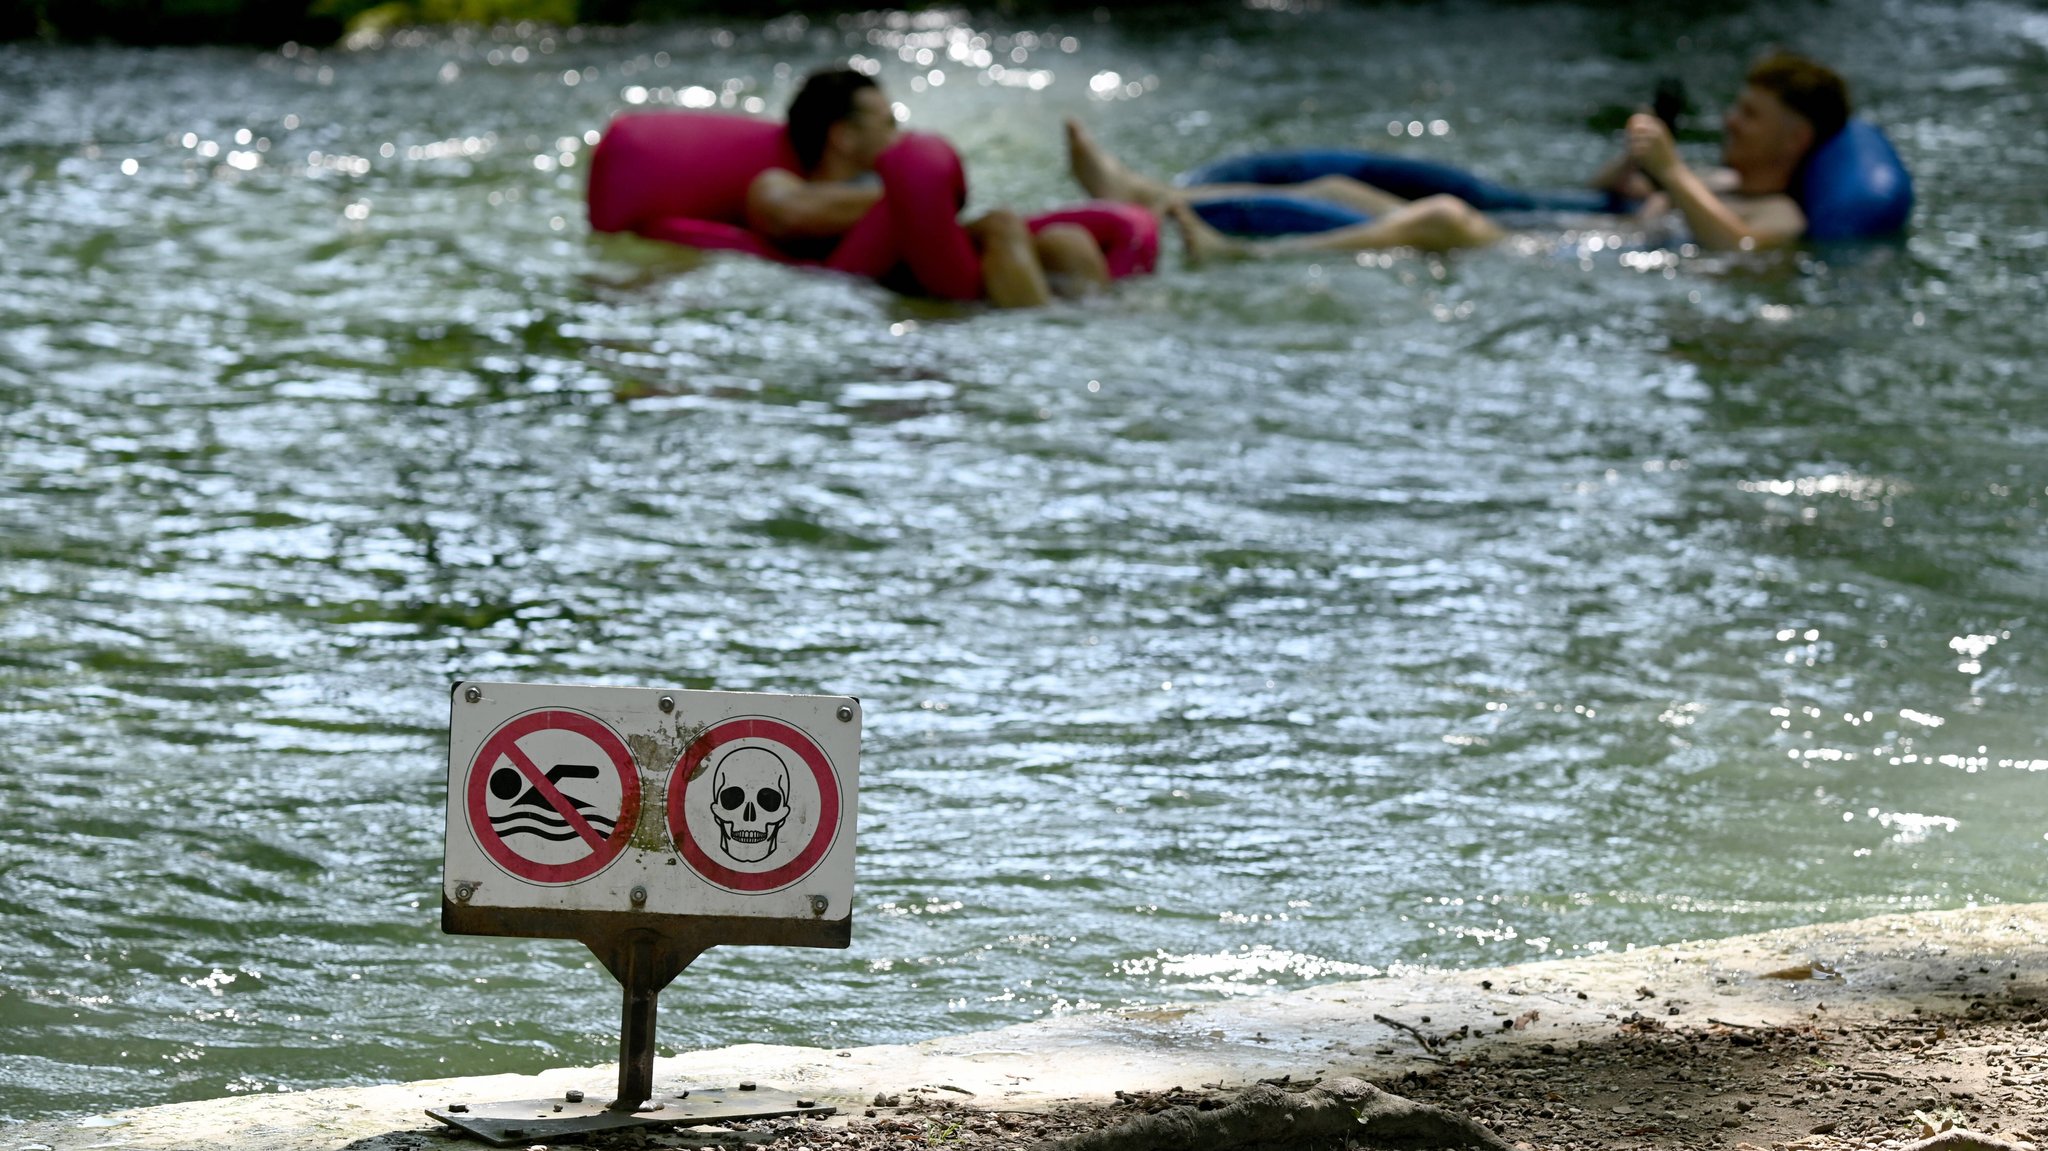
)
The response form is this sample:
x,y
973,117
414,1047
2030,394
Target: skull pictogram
x,y
750,801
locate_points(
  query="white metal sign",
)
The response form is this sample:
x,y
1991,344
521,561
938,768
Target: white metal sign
x,y
696,803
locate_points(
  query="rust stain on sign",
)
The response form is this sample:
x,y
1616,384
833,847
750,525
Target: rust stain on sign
x,y
655,753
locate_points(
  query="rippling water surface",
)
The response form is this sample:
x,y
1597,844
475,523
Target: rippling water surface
x,y
1248,627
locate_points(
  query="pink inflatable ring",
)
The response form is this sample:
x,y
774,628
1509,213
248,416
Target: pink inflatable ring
x,y
683,177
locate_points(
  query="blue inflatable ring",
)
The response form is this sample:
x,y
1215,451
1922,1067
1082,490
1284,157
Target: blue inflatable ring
x,y
1852,188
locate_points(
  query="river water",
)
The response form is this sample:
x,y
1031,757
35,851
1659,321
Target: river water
x,y
1248,627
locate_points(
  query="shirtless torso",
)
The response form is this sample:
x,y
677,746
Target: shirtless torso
x,y
806,214
807,218
811,211
1744,206
1771,214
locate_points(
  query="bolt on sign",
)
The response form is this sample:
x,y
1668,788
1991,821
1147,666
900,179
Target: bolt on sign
x,y
649,824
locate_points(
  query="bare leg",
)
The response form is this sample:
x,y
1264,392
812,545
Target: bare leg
x,y
1010,272
1333,189
1436,224
1202,241
1073,262
1106,178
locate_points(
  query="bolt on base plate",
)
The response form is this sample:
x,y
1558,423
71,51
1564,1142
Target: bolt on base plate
x,y
521,1121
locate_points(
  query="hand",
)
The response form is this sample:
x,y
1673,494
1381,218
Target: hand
x,y
1650,145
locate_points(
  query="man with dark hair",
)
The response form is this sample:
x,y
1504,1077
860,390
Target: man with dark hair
x,y
839,123
832,97
1788,106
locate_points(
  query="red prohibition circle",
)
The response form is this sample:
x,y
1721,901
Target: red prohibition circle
x,y
504,744
822,834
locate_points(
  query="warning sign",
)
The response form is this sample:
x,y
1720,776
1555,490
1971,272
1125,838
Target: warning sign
x,y
634,807
553,796
556,830
753,804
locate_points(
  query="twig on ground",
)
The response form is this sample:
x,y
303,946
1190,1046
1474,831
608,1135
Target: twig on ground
x,y
1419,1036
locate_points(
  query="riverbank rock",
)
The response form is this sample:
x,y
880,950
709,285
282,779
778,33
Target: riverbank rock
x,y
1264,1116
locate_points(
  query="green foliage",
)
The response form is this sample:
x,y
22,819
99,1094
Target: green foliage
x,y
372,15
322,21
21,19
164,21
269,21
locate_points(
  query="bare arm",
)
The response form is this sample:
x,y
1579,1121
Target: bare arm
x,y
1762,222
784,206
1621,177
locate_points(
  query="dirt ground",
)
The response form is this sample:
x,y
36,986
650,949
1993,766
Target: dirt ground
x,y
1821,1086
1923,1031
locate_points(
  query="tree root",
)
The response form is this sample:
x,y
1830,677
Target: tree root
x,y
1339,1109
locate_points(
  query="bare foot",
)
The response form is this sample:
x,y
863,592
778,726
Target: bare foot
x,y
1105,177
1203,242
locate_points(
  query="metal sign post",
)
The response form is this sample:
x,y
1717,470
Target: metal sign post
x,y
649,825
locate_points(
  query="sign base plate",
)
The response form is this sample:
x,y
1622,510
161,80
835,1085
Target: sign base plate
x,y
528,1121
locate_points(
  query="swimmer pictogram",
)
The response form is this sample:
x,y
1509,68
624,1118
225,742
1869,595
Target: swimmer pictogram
x,y
533,813
552,796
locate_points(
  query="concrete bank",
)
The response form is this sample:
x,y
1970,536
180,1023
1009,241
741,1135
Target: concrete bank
x,y
1865,970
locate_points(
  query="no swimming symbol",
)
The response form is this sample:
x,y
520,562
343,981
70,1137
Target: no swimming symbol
x,y
552,796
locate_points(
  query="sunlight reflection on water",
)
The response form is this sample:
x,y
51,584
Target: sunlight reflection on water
x,y
1246,628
